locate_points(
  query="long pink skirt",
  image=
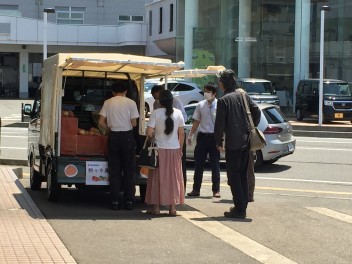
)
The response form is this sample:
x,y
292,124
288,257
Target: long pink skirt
x,y
165,184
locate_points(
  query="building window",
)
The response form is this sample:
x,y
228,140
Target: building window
x,y
9,10
150,22
160,20
70,15
171,18
126,18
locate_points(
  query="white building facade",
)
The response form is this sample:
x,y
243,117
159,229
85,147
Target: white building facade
x,y
76,26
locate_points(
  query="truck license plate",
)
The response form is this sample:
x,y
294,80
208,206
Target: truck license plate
x,y
338,115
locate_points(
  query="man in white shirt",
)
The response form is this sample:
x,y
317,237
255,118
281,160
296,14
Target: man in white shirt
x,y
119,114
204,121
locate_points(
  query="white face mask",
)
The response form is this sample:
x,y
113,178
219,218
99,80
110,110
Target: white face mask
x,y
208,96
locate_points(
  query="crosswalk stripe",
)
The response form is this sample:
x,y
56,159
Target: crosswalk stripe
x,y
331,213
235,239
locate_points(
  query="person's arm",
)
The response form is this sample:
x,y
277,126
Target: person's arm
x,y
181,137
134,122
220,123
192,131
150,132
102,122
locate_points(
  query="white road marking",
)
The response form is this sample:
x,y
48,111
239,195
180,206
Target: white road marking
x,y
328,212
12,148
235,239
315,148
208,173
303,180
304,195
3,136
349,141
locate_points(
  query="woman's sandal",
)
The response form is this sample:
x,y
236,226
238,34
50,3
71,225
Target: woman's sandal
x,y
173,213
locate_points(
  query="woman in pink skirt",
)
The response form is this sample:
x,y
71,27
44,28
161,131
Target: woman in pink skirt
x,y
165,184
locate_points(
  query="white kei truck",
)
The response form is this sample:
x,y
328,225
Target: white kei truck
x,y
66,146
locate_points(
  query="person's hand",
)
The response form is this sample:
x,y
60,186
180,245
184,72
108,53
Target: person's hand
x,y
220,149
189,140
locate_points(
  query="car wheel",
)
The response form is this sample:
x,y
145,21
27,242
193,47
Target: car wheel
x,y
299,115
35,180
53,188
146,110
258,159
142,192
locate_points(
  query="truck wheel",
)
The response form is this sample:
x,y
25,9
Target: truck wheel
x,y
142,192
34,176
53,188
299,115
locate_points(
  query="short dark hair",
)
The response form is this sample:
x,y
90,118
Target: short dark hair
x,y
157,88
227,78
119,87
210,88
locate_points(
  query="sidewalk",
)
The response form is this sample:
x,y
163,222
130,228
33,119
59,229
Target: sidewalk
x,y
25,235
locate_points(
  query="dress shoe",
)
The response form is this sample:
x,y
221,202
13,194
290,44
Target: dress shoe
x,y
235,214
216,194
193,193
129,205
115,206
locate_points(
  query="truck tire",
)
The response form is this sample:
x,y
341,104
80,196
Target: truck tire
x,y
142,192
53,188
35,180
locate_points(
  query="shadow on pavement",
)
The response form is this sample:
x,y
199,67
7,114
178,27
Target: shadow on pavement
x,y
272,168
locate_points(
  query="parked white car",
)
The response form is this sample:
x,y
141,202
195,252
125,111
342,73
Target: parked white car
x,y
277,130
186,92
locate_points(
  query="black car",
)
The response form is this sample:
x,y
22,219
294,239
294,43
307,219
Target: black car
x,y
337,100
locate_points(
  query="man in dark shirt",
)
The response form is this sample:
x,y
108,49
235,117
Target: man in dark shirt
x,y
232,123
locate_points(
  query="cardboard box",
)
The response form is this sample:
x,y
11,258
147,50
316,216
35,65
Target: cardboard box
x,y
68,144
69,125
90,145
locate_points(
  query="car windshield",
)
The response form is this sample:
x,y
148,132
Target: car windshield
x,y
257,87
337,89
274,116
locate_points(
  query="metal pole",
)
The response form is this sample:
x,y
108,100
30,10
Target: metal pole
x,y
321,70
45,17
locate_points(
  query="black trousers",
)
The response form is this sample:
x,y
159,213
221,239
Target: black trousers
x,y
206,145
236,167
122,164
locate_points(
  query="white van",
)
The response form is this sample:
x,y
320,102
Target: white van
x,y
65,144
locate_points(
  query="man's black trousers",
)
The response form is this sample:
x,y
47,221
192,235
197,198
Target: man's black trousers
x,y
122,163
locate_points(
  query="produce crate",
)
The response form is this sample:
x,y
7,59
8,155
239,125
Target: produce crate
x,y
90,145
69,125
68,144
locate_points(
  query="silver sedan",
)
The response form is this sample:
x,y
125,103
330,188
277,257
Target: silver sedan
x,y
277,130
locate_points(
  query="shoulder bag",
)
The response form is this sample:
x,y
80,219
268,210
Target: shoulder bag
x,y
148,156
256,137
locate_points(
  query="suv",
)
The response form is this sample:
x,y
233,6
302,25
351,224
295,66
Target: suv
x,y
337,100
186,92
260,90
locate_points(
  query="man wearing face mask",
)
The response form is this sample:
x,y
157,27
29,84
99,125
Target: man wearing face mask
x,y
204,120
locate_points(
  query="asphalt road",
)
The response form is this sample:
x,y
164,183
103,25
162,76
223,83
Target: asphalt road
x,y
302,214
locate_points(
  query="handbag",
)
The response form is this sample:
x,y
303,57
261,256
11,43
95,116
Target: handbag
x,y
148,156
256,137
